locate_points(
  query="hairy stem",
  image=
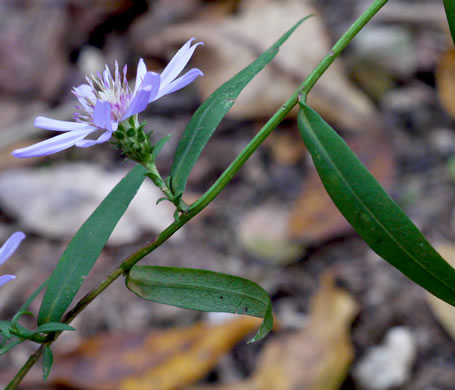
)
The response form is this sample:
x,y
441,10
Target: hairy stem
x,y
218,186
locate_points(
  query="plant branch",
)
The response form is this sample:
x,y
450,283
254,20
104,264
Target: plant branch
x,y
25,368
273,122
339,46
217,187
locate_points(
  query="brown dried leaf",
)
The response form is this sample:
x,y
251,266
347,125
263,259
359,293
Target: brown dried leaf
x,y
218,10
314,217
159,360
234,42
317,357
286,148
34,61
445,80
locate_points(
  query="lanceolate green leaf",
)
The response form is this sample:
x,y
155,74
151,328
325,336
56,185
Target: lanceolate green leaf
x,y
372,213
10,345
449,6
202,290
48,360
85,247
208,116
52,327
4,329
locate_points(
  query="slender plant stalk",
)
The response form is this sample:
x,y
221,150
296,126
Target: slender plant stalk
x,y
25,368
339,46
217,187
273,122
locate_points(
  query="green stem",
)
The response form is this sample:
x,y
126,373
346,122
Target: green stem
x,y
37,338
153,173
273,122
25,368
339,46
218,186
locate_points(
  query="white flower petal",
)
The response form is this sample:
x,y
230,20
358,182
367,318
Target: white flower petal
x,y
107,76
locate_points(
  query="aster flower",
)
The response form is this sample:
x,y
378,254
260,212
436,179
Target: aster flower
x,y
8,248
107,100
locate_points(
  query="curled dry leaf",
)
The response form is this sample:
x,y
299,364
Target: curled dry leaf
x,y
235,41
315,358
445,80
318,357
159,360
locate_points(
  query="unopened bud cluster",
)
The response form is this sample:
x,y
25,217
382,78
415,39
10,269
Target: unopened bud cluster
x,y
133,141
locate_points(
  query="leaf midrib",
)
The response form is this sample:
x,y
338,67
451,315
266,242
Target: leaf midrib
x,y
201,288
127,185
379,223
64,282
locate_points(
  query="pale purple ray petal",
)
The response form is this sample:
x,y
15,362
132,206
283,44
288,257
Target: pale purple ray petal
x,y
6,278
10,246
56,125
140,74
54,144
84,90
148,89
179,83
84,93
178,62
102,115
85,143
